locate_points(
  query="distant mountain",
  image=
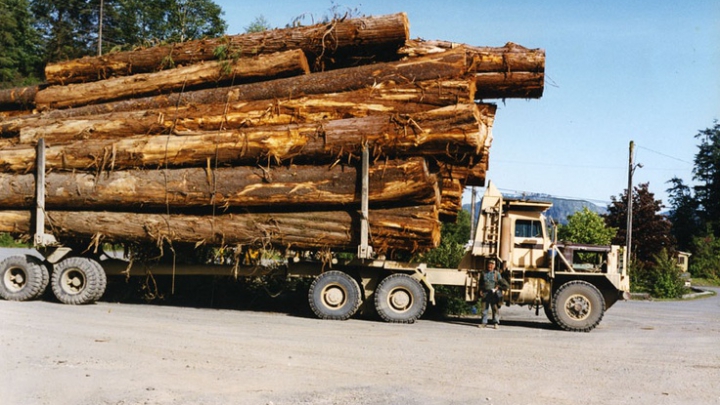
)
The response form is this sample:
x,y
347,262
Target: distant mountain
x,y
562,207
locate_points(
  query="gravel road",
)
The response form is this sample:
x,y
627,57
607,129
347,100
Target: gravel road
x,y
108,353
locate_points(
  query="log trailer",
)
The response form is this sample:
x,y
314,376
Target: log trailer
x,y
574,284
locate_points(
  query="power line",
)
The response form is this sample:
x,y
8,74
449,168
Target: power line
x,y
664,154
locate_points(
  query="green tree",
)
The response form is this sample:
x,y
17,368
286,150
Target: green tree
x,y
20,62
586,227
683,214
259,24
135,22
665,277
70,27
705,261
707,174
453,238
448,254
651,231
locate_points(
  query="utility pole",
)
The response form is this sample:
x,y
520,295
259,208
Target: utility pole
x,y
100,26
631,170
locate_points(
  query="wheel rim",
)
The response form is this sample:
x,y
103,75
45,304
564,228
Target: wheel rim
x,y
334,296
578,307
15,279
73,281
400,300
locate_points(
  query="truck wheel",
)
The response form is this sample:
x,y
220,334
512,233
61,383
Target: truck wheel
x,y
23,278
578,306
549,313
77,280
400,298
103,279
334,295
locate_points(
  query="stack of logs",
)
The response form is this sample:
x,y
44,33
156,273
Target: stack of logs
x,y
256,138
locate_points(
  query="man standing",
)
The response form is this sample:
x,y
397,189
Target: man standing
x,y
491,288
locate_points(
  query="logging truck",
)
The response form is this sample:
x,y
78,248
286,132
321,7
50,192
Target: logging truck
x,y
574,284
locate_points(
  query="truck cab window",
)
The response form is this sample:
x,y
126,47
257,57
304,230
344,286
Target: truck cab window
x,y
525,228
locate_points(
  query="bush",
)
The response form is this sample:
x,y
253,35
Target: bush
x,y
638,276
6,240
665,279
705,261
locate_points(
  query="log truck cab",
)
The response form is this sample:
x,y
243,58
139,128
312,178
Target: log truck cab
x,y
573,283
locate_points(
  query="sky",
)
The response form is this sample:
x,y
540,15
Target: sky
x,y
615,71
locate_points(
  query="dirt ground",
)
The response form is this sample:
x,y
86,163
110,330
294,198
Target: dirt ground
x,y
109,353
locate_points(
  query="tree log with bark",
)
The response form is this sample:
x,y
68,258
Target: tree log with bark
x,y
511,71
412,229
382,99
346,41
445,66
243,70
289,187
454,132
18,97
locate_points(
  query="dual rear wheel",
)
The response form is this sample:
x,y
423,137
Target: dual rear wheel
x,y
399,298
74,280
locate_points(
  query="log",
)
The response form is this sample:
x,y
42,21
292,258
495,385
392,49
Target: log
x,y
18,97
453,132
511,71
509,58
293,187
381,99
448,65
451,191
413,229
372,38
509,85
243,70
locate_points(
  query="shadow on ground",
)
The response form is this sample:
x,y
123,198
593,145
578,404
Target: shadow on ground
x,y
263,295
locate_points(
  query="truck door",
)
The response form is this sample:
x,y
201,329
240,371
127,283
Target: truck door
x,y
528,243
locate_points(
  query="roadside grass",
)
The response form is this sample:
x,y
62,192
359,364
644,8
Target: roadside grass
x,y
6,240
705,282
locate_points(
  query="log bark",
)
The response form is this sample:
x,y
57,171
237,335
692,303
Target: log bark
x,y
243,70
448,65
509,85
294,187
382,99
509,58
412,229
511,71
453,132
18,98
372,38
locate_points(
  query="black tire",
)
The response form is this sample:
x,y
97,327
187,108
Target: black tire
x,y
22,278
547,308
578,306
103,279
334,295
78,280
400,298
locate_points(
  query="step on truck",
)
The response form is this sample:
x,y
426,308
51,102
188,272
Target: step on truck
x,y
573,284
